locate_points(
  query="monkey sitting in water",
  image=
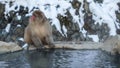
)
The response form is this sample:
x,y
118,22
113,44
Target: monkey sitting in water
x,y
38,32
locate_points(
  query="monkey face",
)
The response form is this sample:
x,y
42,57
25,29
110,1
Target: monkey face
x,y
38,16
32,17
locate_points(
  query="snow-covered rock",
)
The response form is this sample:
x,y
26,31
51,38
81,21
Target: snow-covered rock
x,y
99,19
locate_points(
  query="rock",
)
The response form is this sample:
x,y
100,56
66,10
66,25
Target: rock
x,y
57,36
2,9
10,16
112,45
75,27
76,5
97,27
69,34
77,36
23,10
20,41
89,24
86,6
3,21
18,31
104,32
11,3
3,35
14,34
118,15
24,21
98,1
88,39
118,5
118,31
8,47
11,38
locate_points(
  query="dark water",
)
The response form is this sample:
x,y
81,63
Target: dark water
x,y
59,59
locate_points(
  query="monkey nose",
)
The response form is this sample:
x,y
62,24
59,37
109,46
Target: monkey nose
x,y
32,18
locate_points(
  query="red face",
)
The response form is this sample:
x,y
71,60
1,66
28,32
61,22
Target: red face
x,y
32,18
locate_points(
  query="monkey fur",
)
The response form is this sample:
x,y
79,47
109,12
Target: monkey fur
x,y
38,32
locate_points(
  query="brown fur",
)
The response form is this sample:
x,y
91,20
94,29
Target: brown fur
x,y
38,32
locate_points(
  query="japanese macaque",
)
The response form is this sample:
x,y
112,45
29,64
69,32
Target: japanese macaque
x,y
38,32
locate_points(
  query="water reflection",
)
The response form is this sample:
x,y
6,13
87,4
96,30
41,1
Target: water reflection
x,y
59,59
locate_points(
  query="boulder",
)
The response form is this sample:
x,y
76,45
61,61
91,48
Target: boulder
x,y
112,44
9,47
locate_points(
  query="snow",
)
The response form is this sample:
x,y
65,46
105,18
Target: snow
x,y
106,12
102,12
19,17
94,37
65,30
25,46
7,27
21,39
18,25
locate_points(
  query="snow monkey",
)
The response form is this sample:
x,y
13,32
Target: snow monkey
x,y
38,32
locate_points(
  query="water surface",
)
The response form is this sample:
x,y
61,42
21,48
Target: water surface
x,y
59,59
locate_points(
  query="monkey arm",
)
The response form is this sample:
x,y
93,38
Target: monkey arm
x,y
37,42
27,36
49,41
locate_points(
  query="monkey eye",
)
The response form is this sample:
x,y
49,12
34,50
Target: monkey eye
x,y
35,15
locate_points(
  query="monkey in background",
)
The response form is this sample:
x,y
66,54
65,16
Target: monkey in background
x,y
38,32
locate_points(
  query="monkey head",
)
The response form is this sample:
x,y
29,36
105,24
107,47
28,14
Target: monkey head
x,y
37,16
